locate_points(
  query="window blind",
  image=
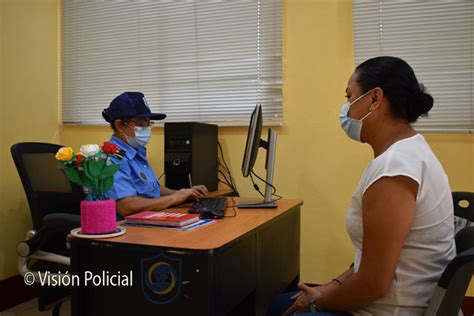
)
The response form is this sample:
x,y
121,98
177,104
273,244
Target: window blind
x,y
207,61
437,39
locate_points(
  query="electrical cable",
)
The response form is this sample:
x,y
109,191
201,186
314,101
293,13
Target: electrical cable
x,y
233,207
226,181
278,197
229,177
225,164
229,180
255,186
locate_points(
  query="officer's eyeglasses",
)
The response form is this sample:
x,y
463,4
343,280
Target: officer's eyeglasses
x,y
141,123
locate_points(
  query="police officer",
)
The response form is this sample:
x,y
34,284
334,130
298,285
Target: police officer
x,y
136,187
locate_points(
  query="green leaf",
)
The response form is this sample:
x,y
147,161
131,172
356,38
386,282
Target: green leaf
x,y
107,184
86,181
93,168
72,175
109,171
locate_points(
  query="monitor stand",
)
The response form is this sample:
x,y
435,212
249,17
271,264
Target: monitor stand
x,y
257,204
269,166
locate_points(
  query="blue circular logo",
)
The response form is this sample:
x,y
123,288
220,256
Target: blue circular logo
x,y
161,278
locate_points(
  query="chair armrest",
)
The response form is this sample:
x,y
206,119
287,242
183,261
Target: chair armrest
x,y
53,223
463,262
452,286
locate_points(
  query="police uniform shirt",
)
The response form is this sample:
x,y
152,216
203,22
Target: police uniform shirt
x,y
135,176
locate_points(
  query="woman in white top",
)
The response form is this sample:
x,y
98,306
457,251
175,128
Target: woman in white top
x,y
400,218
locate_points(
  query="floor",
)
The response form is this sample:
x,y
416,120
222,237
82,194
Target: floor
x,y
30,308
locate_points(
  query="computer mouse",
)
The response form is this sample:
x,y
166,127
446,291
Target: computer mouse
x,y
206,213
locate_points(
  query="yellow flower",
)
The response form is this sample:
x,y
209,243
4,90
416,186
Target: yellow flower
x,y
64,154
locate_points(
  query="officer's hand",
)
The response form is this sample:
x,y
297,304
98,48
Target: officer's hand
x,y
201,189
183,195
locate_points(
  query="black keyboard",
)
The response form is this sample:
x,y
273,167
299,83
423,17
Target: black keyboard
x,y
216,205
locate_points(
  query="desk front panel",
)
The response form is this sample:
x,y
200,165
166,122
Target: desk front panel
x,y
251,267
164,281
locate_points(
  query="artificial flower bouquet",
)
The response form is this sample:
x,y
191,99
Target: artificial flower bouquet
x,y
92,169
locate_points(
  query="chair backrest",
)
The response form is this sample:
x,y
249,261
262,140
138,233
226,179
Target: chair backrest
x,y
47,188
464,205
464,239
456,277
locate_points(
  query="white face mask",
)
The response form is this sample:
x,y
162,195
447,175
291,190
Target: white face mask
x,y
351,126
141,138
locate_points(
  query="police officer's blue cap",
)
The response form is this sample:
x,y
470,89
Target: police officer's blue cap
x,y
129,104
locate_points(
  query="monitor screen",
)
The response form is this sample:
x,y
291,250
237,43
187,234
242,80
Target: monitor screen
x,y
253,140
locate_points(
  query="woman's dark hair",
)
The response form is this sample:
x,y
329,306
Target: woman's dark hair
x,y
107,118
396,78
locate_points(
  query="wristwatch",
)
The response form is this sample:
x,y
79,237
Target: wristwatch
x,y
312,306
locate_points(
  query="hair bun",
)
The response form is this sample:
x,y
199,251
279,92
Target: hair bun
x,y
105,116
419,104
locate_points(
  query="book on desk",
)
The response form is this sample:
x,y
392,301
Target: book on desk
x,y
162,218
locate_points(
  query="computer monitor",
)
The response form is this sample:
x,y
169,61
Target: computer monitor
x,y
254,142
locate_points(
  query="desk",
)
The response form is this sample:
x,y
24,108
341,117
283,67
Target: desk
x,y
232,266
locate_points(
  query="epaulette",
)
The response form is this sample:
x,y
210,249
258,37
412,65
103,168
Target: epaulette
x,y
119,153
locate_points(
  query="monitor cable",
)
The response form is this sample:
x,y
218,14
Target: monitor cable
x,y
252,173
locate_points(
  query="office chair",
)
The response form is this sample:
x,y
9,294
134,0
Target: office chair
x,y
454,281
463,209
54,204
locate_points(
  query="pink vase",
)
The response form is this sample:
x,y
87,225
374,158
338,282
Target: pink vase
x,y
98,217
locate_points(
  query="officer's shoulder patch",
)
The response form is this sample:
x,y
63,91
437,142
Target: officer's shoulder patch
x,y
119,153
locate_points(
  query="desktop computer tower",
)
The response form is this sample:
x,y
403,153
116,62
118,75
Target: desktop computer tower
x,y
190,155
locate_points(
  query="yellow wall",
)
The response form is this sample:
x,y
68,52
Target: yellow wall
x,y
29,106
315,160
2,113
456,153
317,60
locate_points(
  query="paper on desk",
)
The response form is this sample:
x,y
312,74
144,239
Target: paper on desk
x,y
197,224
200,223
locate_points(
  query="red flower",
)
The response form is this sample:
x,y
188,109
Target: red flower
x,y
109,148
79,159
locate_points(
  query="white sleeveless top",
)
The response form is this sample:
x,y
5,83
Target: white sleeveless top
x,y
429,245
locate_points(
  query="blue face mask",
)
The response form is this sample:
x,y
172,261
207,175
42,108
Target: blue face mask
x,y
141,138
351,126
